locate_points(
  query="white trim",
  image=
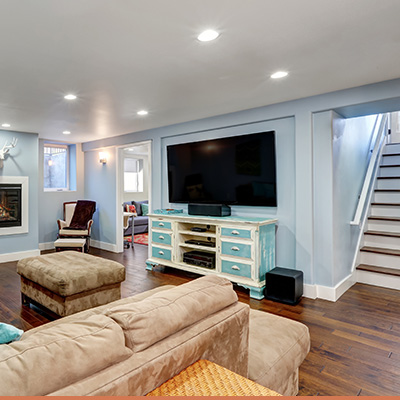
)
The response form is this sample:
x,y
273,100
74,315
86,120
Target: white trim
x,y
46,246
24,182
310,291
104,246
19,255
329,293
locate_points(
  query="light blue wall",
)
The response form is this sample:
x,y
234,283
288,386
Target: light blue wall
x,y
100,186
341,151
51,203
285,175
323,198
22,161
299,243
351,155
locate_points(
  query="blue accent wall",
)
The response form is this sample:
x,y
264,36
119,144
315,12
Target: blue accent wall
x,y
101,186
22,161
51,202
297,146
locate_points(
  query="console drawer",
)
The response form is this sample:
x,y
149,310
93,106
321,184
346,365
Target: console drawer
x,y
236,249
161,237
161,224
159,252
236,268
237,233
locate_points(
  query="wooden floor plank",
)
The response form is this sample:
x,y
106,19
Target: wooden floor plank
x,y
355,341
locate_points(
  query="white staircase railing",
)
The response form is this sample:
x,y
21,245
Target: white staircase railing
x,y
372,171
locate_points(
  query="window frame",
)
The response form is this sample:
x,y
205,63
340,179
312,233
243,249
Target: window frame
x,y
60,146
140,163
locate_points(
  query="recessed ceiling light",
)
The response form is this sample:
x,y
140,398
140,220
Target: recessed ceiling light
x,y
279,74
66,132
208,35
142,112
70,97
5,125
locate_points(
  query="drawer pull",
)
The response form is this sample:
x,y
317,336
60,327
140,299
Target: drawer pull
x,y
235,233
235,267
161,237
161,224
235,248
161,253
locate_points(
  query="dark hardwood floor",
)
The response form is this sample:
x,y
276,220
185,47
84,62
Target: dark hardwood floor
x,y
355,342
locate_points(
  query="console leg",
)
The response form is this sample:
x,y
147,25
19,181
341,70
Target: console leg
x,y
257,293
150,265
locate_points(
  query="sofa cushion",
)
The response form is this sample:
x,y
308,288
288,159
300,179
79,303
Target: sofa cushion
x,y
142,220
165,313
60,355
138,205
277,347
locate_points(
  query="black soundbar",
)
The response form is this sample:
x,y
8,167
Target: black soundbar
x,y
211,210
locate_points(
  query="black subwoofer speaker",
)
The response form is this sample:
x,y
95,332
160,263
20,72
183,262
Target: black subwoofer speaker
x,y
212,210
284,285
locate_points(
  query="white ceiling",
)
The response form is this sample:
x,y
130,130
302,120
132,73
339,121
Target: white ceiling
x,y
120,56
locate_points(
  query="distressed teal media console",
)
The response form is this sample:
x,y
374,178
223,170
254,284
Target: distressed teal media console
x,y
244,248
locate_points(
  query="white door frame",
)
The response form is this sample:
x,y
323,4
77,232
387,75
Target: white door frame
x,y
119,178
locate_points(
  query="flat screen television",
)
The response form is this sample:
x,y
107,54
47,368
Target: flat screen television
x,y
237,170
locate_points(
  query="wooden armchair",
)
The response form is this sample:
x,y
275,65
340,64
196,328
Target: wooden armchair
x,y
68,212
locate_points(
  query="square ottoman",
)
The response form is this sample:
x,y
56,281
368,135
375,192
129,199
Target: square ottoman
x,y
69,281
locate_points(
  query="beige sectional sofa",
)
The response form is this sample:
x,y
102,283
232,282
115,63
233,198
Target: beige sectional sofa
x,y
133,345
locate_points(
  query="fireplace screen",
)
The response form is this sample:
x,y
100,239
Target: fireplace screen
x,y
10,205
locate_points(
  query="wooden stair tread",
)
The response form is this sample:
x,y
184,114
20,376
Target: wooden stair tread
x,y
379,270
385,204
380,233
377,217
387,190
388,177
379,250
390,154
390,166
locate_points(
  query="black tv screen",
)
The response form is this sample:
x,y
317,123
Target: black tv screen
x,y
238,170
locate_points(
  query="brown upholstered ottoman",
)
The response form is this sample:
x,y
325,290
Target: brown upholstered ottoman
x,y
70,281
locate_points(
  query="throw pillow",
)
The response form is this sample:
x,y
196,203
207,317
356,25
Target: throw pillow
x,y
9,333
131,208
145,209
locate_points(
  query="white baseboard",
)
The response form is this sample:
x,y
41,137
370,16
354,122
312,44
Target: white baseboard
x,y
103,246
329,293
310,291
18,255
46,246
93,243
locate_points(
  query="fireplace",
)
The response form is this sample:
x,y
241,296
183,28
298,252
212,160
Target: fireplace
x,y
10,205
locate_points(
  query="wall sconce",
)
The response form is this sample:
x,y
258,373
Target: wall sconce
x,y
103,157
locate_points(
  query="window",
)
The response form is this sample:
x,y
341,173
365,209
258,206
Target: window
x,y
133,175
55,172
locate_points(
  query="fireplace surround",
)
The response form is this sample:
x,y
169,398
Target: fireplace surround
x,y
10,205
13,204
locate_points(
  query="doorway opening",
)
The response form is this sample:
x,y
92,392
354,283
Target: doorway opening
x,y
134,195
